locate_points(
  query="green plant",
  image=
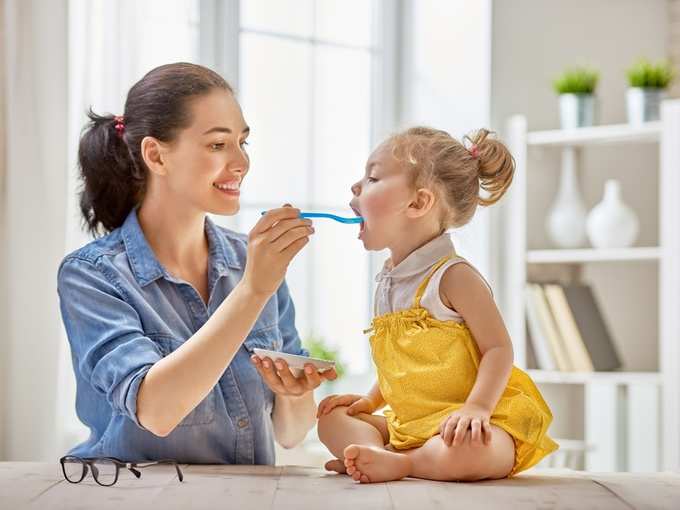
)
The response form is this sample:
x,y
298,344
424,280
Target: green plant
x,y
577,80
317,347
645,74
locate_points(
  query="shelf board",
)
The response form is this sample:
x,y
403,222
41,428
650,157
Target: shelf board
x,y
556,377
576,256
611,134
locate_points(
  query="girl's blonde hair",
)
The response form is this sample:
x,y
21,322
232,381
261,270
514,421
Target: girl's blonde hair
x,y
456,172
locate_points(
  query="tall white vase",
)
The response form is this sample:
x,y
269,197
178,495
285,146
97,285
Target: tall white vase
x,y
566,221
611,223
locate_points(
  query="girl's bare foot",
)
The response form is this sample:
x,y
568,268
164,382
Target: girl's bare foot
x,y
369,464
336,465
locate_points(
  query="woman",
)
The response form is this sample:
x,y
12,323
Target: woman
x,y
163,312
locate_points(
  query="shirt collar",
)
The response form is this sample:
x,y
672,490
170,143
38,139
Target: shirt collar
x,y
419,260
147,268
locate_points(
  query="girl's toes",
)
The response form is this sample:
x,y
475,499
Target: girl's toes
x,y
364,479
351,470
351,453
335,465
356,476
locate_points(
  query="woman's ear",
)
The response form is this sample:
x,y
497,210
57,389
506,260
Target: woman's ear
x,y
152,153
422,203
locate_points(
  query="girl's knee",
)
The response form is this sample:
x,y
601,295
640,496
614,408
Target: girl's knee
x,y
328,423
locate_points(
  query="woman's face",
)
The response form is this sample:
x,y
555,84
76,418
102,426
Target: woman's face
x,y
381,198
207,162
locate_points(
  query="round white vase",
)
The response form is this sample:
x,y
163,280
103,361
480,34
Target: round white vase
x,y
566,222
611,223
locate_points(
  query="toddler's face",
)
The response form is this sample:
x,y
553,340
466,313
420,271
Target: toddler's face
x,y
381,197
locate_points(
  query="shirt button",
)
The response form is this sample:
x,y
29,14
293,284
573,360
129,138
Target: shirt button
x,y
243,423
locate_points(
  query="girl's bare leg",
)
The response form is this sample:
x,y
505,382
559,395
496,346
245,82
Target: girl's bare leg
x,y
337,430
434,460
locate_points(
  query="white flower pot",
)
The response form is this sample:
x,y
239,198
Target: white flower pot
x,y
643,104
611,223
577,110
566,221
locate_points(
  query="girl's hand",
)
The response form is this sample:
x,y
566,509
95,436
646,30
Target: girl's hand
x,y
357,404
272,243
475,419
281,380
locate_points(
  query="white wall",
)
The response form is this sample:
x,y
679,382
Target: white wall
x,y
445,83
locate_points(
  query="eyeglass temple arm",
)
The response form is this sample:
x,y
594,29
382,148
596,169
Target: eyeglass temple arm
x,y
180,475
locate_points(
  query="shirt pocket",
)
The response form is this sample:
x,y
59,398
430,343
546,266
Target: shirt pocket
x,y
267,338
204,412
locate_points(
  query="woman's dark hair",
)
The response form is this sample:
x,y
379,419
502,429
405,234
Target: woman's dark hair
x,y
112,169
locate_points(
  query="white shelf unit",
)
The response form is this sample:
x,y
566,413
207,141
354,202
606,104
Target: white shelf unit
x,y
619,442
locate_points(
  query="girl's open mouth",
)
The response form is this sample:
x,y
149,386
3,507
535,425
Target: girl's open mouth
x,y
362,225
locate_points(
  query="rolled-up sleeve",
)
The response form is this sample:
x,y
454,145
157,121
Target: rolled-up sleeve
x,y
108,344
291,339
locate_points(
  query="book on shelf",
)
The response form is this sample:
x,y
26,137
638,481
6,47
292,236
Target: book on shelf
x,y
547,339
567,330
538,333
593,328
571,336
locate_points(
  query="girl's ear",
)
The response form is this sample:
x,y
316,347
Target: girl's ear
x,y
152,153
422,203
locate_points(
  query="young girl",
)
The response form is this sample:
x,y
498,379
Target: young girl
x,y
459,409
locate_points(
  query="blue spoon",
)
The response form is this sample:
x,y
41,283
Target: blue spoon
x,y
357,219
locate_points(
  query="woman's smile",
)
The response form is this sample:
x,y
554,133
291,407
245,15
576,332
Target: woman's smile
x,y
229,188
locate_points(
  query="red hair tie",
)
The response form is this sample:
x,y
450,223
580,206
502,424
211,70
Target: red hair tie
x,y
474,151
120,125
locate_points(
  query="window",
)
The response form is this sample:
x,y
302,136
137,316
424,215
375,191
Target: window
x,y
306,81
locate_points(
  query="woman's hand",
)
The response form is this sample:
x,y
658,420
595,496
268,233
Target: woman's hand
x,y
281,380
454,428
356,404
272,243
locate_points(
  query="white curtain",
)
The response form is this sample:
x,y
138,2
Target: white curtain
x,y
33,203
3,216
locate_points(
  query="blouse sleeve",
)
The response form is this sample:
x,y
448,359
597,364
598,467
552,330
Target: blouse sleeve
x,y
108,345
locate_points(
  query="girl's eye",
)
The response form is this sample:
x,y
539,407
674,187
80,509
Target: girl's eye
x,y
372,179
217,146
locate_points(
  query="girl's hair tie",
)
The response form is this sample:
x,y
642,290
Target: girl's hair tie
x,y
474,151
119,125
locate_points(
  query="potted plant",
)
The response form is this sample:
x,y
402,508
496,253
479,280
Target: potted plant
x,y
576,89
647,84
318,348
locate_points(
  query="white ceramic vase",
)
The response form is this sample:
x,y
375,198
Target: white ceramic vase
x,y
611,223
566,221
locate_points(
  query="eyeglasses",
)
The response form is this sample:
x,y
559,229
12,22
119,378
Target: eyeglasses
x,y
105,469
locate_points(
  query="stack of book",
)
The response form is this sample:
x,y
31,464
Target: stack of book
x,y
566,329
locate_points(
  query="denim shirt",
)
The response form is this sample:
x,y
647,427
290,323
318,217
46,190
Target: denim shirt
x,y
123,312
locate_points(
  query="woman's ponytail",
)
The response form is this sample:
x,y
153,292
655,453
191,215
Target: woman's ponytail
x,y
111,184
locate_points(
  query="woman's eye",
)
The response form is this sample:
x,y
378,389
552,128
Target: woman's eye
x,y
244,143
217,146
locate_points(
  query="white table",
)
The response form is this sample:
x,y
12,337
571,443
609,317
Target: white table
x,y
41,485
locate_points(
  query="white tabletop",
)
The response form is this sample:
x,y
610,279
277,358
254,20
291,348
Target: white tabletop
x,y
41,485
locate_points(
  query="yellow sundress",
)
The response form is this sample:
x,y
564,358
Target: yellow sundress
x,y
426,370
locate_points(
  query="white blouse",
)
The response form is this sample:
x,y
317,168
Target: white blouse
x,y
397,286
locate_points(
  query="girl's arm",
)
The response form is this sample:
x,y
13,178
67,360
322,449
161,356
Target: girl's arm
x,y
369,403
464,291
